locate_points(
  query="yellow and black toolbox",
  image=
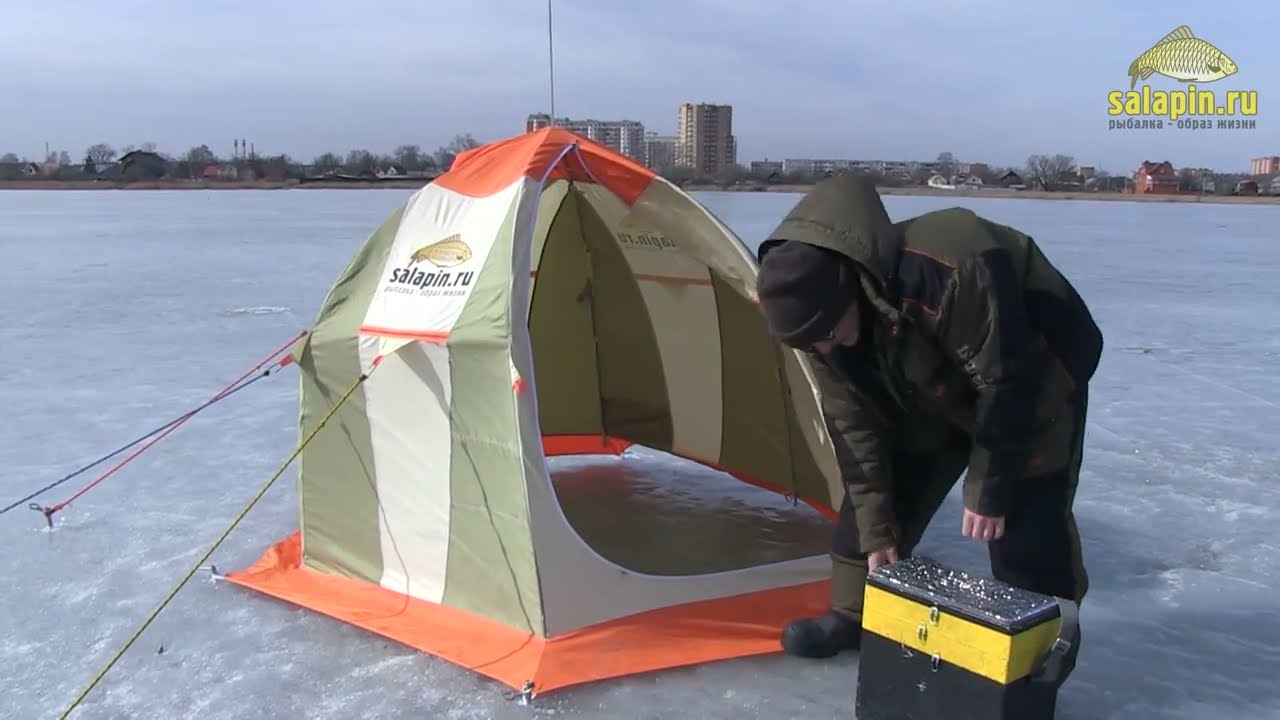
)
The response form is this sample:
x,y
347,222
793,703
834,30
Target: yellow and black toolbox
x,y
941,644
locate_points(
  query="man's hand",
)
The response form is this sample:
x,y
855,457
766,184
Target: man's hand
x,y
981,527
882,557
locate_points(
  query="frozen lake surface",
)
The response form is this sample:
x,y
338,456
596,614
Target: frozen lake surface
x,y
122,310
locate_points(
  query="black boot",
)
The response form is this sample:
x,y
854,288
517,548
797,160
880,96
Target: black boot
x,y
1058,664
822,637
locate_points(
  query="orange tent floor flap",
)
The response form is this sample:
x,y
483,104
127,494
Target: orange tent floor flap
x,y
688,634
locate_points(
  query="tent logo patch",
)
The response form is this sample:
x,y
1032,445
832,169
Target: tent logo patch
x,y
413,278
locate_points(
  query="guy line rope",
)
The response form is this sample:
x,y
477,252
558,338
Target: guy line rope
x,y
212,548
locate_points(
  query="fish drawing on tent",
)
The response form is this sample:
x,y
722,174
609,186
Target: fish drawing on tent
x,y
446,253
1184,57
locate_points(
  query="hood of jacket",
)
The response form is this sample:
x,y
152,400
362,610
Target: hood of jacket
x,y
845,214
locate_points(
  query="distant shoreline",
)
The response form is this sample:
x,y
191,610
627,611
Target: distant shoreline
x,y
1002,193
414,184
405,184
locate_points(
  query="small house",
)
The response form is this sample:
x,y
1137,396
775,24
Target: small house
x,y
142,165
1011,180
1156,178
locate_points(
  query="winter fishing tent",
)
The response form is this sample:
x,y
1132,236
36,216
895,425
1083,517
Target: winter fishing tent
x,y
546,296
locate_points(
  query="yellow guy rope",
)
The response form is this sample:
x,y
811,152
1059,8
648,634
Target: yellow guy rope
x,y
200,563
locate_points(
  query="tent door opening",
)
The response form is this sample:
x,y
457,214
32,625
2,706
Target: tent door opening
x,y
602,384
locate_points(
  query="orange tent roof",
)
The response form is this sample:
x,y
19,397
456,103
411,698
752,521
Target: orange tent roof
x,y
483,171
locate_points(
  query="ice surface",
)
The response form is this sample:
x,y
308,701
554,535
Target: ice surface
x,y
693,520
122,310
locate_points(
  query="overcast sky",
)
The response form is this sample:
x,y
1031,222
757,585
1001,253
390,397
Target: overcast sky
x,y
986,80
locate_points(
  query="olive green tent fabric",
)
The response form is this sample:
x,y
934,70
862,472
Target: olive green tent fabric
x,y
338,490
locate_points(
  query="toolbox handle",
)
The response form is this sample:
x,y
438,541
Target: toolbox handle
x,y
1057,661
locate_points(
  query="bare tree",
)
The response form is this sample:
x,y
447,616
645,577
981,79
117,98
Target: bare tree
x,y
463,142
147,147
445,154
276,167
409,157
200,156
100,153
1198,180
986,173
9,159
326,163
1049,170
946,165
360,161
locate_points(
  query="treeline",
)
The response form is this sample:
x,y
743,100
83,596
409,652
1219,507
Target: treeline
x,y
103,160
409,158
1050,172
1047,171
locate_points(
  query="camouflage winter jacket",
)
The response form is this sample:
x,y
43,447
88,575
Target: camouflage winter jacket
x,y
975,330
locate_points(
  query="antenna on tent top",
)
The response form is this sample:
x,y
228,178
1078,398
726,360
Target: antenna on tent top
x,y
551,64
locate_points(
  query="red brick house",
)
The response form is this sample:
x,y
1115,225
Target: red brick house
x,y
1155,178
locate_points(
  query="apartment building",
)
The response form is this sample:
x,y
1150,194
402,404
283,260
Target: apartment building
x,y
704,138
1269,165
765,168
659,151
624,136
818,167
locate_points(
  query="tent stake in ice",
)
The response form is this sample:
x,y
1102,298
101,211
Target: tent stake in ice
x,y
212,548
231,388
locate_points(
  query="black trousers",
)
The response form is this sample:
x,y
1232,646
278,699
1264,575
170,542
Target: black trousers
x,y
1040,550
